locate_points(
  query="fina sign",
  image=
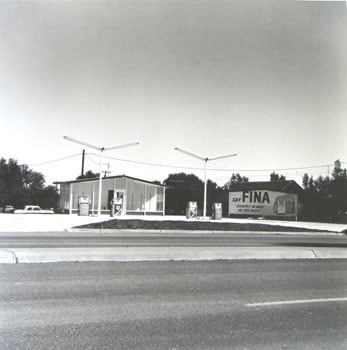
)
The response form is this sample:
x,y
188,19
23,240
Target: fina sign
x,y
263,203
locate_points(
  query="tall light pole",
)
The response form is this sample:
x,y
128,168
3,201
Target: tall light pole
x,y
101,149
205,160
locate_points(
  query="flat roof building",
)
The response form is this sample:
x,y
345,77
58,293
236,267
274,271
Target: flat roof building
x,y
132,195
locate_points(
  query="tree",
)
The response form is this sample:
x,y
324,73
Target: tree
x,y
183,188
48,197
20,186
338,172
338,189
325,198
88,175
276,177
235,179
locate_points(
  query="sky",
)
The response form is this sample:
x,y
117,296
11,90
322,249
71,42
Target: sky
x,y
265,79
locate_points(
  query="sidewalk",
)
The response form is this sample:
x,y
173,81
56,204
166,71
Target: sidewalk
x,y
64,222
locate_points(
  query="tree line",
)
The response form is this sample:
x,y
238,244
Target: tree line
x,y
20,186
323,198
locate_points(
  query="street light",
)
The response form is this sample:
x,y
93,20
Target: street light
x,y
101,149
205,160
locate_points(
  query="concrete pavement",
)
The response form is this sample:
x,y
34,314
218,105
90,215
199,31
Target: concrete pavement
x,y
255,305
121,254
60,223
64,222
44,222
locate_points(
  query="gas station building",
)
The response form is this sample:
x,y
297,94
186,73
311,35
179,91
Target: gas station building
x,y
129,195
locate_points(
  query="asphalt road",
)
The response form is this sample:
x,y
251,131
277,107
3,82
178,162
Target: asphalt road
x,y
175,305
181,239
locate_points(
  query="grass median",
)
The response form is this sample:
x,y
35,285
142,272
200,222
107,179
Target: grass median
x,y
137,224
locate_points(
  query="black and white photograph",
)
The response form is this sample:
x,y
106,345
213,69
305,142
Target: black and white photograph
x,y
173,174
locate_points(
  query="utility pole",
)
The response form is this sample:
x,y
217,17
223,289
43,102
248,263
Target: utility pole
x,y
83,155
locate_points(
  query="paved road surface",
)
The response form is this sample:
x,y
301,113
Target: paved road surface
x,y
184,239
174,305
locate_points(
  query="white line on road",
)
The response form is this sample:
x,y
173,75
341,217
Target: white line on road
x,y
291,302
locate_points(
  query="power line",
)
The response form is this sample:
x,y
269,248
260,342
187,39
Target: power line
x,y
191,168
150,164
93,161
275,169
56,160
214,169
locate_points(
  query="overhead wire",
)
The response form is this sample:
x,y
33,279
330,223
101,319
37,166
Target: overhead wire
x,y
56,160
162,165
213,169
148,163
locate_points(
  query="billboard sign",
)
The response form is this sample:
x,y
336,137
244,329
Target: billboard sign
x,y
263,203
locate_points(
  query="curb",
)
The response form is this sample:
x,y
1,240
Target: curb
x,y
213,232
7,257
49,255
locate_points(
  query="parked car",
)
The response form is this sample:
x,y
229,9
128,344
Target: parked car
x,y
33,209
8,209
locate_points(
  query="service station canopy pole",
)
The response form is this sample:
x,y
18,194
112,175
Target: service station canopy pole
x,y
205,160
100,149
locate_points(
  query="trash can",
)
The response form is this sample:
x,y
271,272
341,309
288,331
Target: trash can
x,y
192,210
83,206
217,211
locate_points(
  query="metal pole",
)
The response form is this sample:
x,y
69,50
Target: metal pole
x,y
164,189
205,160
101,149
100,184
205,189
71,199
93,198
144,210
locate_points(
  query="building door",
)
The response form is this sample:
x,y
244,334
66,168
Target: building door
x,y
110,198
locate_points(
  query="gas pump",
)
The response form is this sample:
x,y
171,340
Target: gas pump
x,y
217,211
117,204
83,206
191,210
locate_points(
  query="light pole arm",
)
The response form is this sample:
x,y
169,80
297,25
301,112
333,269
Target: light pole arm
x,y
120,146
221,157
189,153
99,148
82,143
